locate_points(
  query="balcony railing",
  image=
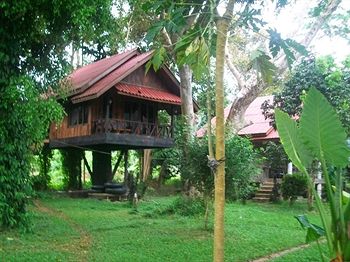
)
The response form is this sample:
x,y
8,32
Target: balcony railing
x,y
132,127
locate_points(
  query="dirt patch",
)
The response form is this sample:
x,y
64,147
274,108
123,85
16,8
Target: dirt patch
x,y
81,245
280,253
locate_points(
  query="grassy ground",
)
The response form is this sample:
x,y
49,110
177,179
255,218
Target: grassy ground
x,y
67,229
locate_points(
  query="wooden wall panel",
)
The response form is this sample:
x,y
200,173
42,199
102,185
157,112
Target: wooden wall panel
x,y
151,79
63,130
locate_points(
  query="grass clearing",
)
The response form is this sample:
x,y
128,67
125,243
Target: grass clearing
x,y
93,230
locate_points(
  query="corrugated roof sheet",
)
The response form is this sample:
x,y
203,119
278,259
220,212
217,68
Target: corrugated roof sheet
x,y
113,77
85,76
147,93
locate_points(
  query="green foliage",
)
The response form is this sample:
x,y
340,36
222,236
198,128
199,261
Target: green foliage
x,y
241,167
71,161
185,206
275,157
34,36
42,180
261,62
288,46
72,220
300,144
24,120
157,60
193,50
314,232
293,186
324,136
325,75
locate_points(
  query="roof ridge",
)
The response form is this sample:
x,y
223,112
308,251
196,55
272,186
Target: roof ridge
x,y
141,58
80,83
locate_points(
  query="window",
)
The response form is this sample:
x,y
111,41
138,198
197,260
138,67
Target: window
x,y
78,115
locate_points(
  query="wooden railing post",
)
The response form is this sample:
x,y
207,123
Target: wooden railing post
x,y
132,127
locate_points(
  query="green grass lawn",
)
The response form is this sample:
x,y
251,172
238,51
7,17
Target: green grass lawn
x,y
66,229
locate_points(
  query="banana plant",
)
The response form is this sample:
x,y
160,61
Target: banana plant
x,y
320,136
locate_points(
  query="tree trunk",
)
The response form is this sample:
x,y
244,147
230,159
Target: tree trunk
x,y
146,164
240,105
222,25
186,96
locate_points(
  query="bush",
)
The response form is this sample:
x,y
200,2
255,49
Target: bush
x,y
241,167
242,162
186,206
293,186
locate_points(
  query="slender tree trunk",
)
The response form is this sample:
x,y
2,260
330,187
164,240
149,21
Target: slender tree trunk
x,y
222,29
146,164
186,95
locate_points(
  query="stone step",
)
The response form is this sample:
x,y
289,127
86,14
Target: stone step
x,y
268,191
267,188
259,194
261,199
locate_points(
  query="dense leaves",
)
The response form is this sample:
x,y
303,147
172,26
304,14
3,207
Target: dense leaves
x,y
331,80
275,156
312,137
240,169
24,119
34,35
293,186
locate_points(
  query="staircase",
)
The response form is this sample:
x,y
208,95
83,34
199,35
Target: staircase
x,y
263,194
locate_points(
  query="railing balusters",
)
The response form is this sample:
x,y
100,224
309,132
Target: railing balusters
x,y
131,127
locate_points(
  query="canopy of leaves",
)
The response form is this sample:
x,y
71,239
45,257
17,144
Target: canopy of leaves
x,y
325,75
33,35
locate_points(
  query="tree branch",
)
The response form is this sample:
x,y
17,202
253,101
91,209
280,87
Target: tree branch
x,y
233,69
241,103
253,89
311,34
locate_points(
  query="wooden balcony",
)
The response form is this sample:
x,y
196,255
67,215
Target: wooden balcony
x,y
115,134
120,126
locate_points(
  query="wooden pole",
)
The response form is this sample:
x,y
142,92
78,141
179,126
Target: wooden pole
x,y
117,164
125,166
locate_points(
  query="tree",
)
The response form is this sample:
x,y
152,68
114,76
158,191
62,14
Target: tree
x,y
34,36
178,26
191,49
325,75
222,25
249,85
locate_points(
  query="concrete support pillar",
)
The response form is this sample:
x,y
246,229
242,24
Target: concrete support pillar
x,y
102,167
290,168
319,179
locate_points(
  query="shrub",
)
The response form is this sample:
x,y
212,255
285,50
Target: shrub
x,y
293,186
241,167
242,162
186,206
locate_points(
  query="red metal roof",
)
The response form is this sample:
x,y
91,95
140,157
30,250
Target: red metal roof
x,y
113,78
258,127
147,93
87,75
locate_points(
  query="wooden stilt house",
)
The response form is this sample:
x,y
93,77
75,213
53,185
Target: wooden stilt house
x,y
113,104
